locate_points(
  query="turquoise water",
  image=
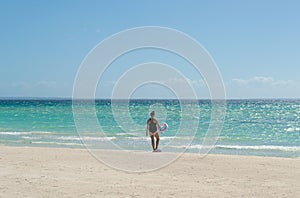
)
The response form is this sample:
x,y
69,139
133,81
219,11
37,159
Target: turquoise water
x,y
251,127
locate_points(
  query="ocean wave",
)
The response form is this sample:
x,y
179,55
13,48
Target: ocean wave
x,y
58,143
84,138
261,147
121,134
69,138
15,133
292,129
41,132
137,138
126,134
238,147
168,137
190,147
161,137
25,132
31,137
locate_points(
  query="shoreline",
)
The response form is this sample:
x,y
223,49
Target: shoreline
x,y
188,151
73,172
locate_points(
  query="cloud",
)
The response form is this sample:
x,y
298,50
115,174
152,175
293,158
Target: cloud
x,y
98,30
262,87
180,81
262,80
254,87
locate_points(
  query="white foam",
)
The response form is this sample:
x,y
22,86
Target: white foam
x,y
161,137
261,147
292,129
31,138
198,146
137,138
24,132
15,133
58,143
167,137
125,134
84,138
238,147
41,132
120,134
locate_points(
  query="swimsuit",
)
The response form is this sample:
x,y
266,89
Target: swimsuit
x,y
152,126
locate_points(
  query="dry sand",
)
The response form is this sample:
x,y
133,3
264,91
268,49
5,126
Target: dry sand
x,y
61,172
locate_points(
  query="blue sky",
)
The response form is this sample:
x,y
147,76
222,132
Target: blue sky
x,y
255,44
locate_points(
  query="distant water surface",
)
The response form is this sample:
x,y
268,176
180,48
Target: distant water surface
x,y
251,127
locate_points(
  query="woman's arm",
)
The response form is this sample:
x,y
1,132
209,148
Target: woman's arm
x,y
147,130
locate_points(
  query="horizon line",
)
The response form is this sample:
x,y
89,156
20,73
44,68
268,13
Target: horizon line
x,y
70,98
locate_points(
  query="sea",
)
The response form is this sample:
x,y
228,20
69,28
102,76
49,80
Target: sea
x,y
259,127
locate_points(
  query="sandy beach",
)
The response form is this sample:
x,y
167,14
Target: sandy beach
x,y
61,172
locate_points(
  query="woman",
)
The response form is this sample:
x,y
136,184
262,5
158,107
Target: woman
x,y
152,125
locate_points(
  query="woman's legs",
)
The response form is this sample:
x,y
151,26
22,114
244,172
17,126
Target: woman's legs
x,y
152,141
157,140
